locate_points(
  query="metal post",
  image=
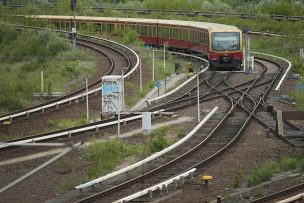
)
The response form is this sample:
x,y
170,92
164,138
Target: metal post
x,y
74,34
123,89
153,65
165,67
198,101
42,83
118,117
87,91
246,51
140,75
119,107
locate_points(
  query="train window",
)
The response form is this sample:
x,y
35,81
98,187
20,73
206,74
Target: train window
x,y
145,30
97,27
184,34
162,34
109,28
122,28
225,41
154,33
175,33
142,30
192,35
166,32
149,29
196,36
206,37
103,28
201,37
133,27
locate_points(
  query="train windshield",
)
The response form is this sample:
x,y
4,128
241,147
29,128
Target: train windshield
x,y
225,41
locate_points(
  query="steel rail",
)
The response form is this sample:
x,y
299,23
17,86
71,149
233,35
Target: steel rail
x,y
286,72
161,167
280,193
152,157
150,101
69,132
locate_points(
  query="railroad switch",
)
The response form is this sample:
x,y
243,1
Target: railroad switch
x,y
207,179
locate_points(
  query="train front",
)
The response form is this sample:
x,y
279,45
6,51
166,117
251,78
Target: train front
x,y
225,50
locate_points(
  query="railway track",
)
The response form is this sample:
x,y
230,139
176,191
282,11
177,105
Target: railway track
x,y
283,195
205,147
243,100
212,86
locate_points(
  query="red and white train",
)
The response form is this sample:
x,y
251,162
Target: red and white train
x,y
220,44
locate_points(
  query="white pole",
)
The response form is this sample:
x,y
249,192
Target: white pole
x,y
41,82
165,67
74,35
87,90
140,75
153,65
123,89
198,101
118,117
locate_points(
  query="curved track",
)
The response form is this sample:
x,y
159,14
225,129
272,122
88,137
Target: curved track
x,y
206,146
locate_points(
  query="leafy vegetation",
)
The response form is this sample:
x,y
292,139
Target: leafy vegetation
x,y
87,7
262,22
265,171
66,123
24,56
105,156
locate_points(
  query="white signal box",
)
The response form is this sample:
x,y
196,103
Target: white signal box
x,y
112,94
146,121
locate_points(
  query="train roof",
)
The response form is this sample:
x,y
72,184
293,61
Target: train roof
x,y
209,26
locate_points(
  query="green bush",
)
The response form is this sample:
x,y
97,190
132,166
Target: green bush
x,y
66,123
24,56
288,163
280,7
262,174
157,144
7,33
104,156
236,181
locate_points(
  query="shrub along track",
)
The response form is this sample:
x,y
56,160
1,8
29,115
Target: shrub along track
x,y
110,61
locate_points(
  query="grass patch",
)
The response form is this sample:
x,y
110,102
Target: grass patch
x,y
68,184
266,171
63,166
24,55
263,173
105,156
66,123
237,181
